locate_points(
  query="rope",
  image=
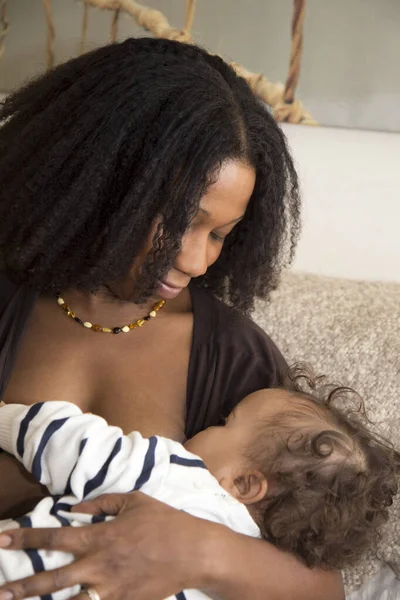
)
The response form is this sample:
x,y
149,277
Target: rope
x,y
114,25
84,28
299,9
271,93
279,97
189,16
4,26
50,34
288,109
150,19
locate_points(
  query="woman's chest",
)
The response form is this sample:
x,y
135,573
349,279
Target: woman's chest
x,y
136,381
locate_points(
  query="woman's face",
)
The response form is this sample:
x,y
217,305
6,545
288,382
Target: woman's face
x,y
221,208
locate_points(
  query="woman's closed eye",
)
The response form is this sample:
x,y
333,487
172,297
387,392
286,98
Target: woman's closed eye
x,y
220,236
217,238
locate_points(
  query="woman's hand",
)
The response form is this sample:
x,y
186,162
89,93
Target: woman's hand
x,y
152,551
149,552
19,491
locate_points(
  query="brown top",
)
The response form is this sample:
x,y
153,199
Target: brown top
x,y
230,357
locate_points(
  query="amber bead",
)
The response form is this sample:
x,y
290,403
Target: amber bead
x,y
97,327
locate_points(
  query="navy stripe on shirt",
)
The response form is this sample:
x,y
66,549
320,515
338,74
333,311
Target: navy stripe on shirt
x,y
68,489
23,428
50,430
60,506
98,479
180,596
98,519
148,464
186,462
34,556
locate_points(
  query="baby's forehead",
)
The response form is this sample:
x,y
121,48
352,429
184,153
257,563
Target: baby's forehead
x,y
271,396
268,402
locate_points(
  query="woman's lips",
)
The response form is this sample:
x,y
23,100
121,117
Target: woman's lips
x,y
168,291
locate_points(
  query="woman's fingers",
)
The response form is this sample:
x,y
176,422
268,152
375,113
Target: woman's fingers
x,y
128,558
47,582
107,504
76,540
103,594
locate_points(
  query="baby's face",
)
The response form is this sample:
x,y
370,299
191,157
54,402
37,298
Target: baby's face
x,y
224,449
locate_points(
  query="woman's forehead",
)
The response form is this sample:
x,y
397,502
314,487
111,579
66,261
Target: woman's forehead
x,y
228,196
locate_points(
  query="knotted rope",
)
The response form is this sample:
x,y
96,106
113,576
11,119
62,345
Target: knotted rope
x,y
280,97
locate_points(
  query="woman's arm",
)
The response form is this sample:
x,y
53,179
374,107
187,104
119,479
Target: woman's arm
x,y
170,551
242,567
19,491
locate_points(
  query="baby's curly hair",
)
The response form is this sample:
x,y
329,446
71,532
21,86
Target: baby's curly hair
x,y
331,478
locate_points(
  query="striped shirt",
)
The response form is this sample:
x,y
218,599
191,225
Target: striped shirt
x,y
79,456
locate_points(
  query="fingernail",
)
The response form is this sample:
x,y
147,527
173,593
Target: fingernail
x,y
6,595
5,541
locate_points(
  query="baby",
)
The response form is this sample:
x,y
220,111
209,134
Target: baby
x,y
288,465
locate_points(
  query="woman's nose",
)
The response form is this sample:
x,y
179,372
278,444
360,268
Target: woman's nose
x,y
193,258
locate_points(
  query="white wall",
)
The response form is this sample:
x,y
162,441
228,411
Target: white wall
x,y
351,190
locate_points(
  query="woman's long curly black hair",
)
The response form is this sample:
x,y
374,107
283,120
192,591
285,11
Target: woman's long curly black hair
x,y
93,151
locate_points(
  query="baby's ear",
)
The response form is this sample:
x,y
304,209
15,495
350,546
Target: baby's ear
x,y
250,488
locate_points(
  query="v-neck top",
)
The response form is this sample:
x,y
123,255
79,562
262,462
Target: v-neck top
x,y
230,356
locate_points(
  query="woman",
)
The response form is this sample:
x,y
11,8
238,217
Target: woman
x,y
142,172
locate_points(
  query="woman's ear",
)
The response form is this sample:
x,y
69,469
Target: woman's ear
x,y
250,488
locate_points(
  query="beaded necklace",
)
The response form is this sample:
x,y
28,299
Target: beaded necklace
x,y
99,328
